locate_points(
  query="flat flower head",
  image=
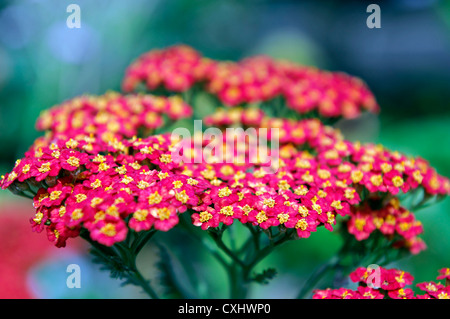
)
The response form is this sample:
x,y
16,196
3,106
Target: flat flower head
x,y
444,273
401,293
141,219
206,219
71,160
166,217
369,293
109,233
395,279
361,225
430,287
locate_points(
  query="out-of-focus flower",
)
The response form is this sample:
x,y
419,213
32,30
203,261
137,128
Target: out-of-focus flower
x,y
252,80
393,286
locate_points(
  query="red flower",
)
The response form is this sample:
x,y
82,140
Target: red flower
x,y
401,293
109,233
444,273
71,160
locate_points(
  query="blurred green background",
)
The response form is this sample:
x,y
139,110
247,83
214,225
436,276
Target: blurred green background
x,y
406,63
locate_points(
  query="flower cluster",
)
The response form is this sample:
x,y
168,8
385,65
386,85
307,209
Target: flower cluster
x,y
112,115
103,187
107,167
252,80
99,181
332,94
369,166
176,68
393,221
112,185
384,283
237,116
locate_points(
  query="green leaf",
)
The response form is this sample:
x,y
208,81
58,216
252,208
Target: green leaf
x,y
167,275
265,277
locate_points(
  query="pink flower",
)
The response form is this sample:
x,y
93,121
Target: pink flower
x,y
361,225
369,293
71,160
444,273
109,233
401,293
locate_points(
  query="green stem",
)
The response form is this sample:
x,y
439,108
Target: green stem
x,y
202,240
263,253
121,259
316,277
238,286
136,278
217,237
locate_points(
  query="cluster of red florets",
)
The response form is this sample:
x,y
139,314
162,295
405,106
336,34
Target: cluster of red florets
x,y
384,283
110,186
93,170
321,154
108,183
252,80
112,115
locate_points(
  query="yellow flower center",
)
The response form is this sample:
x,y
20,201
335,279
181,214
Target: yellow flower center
x,y
247,209
143,185
163,213
224,192
302,224
269,202
360,223
96,184
357,176
73,161
109,230
45,167
162,175
77,214
386,167
55,195
283,218
397,181
38,218
165,158
417,176
154,198
121,170
192,181
283,185
337,204
26,168
127,180
62,211
261,217
182,196
323,174
349,193
302,190
376,180
96,201
103,167
227,210
140,215
177,184
205,216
